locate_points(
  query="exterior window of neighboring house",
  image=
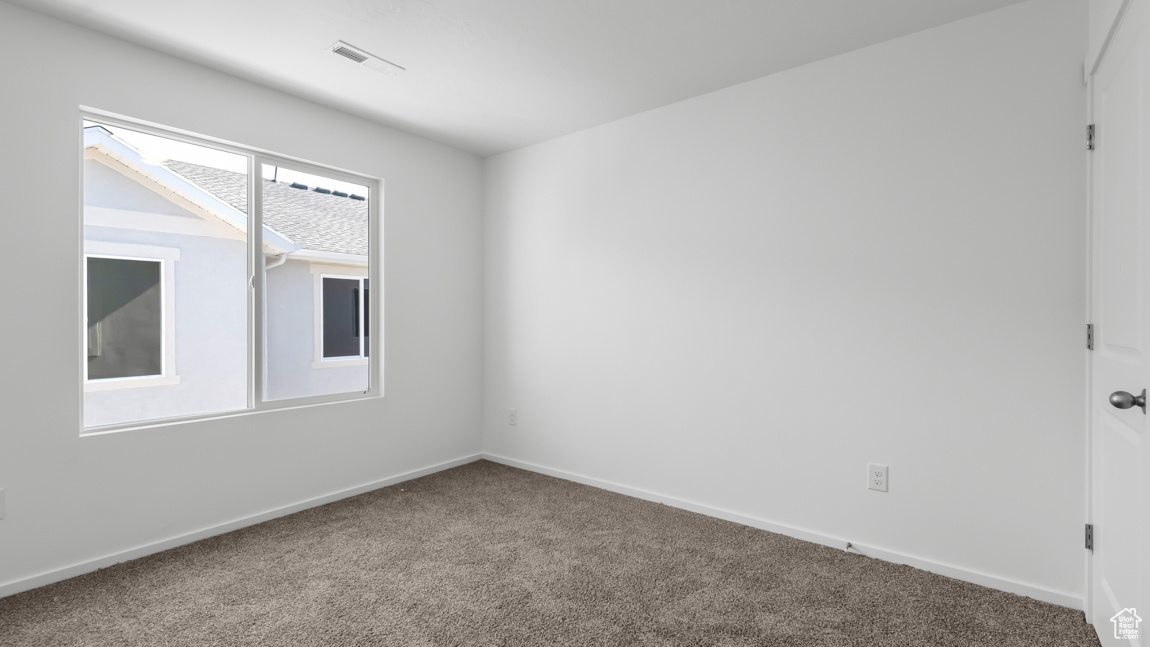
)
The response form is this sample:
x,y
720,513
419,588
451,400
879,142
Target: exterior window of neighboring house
x,y
177,263
125,318
129,327
345,319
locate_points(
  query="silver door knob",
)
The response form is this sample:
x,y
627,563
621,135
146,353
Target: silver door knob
x,y
1124,400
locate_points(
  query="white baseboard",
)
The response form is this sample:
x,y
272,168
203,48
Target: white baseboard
x,y
957,572
56,575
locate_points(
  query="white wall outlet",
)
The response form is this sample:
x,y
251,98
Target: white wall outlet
x,y
512,417
876,477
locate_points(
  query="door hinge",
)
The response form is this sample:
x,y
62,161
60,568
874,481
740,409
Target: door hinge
x,y
1090,537
1089,336
1090,137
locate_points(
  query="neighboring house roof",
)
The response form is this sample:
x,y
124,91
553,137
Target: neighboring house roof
x,y
307,224
315,221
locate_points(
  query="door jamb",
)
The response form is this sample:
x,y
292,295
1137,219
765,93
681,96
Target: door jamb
x,y
1088,440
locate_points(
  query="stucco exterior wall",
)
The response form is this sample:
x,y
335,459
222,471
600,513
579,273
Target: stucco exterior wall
x,y
292,369
210,300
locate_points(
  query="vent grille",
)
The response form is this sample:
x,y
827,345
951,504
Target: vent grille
x,y
349,53
356,54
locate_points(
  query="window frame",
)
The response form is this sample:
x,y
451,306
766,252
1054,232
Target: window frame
x,y
256,354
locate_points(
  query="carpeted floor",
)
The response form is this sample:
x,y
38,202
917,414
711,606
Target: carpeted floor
x,y
485,554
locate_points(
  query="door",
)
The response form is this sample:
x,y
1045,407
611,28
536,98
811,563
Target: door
x,y
1121,303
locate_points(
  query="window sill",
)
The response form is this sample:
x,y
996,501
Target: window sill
x,y
340,363
115,384
266,407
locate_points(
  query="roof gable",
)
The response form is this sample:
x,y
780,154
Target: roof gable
x,y
99,144
315,221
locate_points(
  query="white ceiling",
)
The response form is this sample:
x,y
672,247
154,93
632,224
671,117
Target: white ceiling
x,y
489,76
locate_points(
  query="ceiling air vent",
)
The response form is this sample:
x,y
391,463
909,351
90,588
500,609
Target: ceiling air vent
x,y
363,58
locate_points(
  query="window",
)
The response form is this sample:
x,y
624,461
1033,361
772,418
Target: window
x,y
199,299
128,316
125,318
344,317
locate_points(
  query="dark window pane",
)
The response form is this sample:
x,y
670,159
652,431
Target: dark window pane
x,y
366,318
125,318
340,317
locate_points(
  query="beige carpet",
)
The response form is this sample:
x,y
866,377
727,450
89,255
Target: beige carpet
x,y
485,554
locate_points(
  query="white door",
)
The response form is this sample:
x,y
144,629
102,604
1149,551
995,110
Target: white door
x,y
1121,302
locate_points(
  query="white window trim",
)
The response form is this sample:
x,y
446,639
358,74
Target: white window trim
x,y
166,257
319,273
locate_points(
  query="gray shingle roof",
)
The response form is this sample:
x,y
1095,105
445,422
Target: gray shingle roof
x,y
317,221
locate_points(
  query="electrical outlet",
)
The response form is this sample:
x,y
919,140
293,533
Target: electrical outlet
x,y
512,417
876,477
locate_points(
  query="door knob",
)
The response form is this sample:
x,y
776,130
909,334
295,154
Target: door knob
x,y
1124,400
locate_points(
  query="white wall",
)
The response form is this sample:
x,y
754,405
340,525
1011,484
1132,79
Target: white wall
x,y
1103,18
741,299
73,499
